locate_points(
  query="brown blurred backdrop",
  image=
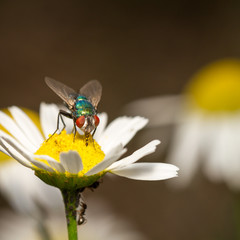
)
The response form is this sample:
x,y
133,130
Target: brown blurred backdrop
x,y
136,49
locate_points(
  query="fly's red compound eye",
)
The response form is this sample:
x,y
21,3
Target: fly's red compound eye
x,y
80,121
96,120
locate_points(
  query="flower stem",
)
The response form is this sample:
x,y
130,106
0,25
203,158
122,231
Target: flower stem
x,y
71,200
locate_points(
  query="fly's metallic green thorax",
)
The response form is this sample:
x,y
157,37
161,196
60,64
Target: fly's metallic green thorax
x,y
83,107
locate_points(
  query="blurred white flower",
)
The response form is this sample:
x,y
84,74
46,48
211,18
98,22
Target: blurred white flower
x,y
207,123
25,192
101,224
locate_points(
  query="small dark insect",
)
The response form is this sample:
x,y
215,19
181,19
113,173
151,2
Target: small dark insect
x,y
81,215
91,187
82,105
94,185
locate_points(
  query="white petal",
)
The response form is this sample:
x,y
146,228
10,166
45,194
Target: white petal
x,y
48,119
27,126
121,131
15,147
3,150
160,111
40,165
13,129
140,153
22,156
212,150
148,171
223,158
101,166
14,153
102,125
71,161
116,150
13,142
115,154
52,162
185,148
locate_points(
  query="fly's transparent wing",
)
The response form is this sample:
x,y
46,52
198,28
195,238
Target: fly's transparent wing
x,y
93,91
66,93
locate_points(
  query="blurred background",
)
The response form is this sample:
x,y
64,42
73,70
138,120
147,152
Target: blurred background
x,y
136,49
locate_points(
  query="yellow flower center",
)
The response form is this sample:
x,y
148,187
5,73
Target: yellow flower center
x,y
90,153
216,88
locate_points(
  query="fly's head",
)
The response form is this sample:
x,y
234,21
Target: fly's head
x,y
87,123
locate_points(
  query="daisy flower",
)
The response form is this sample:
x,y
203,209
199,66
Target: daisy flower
x,y
67,162
207,119
69,158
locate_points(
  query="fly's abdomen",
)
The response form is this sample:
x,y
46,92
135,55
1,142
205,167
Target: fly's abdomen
x,y
83,107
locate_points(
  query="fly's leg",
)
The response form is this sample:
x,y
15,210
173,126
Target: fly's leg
x,y
87,138
92,137
94,131
65,114
74,129
60,114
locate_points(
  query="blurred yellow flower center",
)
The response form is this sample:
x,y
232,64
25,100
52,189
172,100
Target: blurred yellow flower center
x,y
91,154
216,88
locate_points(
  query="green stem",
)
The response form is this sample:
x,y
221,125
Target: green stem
x,y
71,201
